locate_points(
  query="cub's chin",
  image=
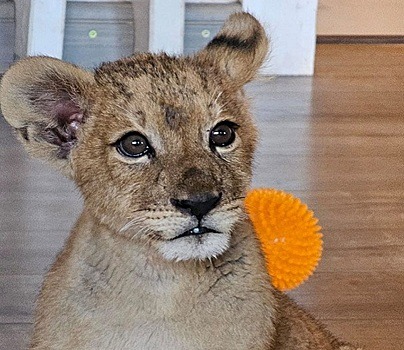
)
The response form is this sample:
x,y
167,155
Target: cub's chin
x,y
195,246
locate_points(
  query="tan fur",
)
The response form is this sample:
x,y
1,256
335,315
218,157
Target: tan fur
x,y
121,282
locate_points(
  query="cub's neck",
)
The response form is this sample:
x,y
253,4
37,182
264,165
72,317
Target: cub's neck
x,y
102,249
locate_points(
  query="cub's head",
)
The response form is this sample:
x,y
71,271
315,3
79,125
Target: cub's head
x,y
161,147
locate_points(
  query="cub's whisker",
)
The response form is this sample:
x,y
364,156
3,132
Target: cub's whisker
x,y
131,223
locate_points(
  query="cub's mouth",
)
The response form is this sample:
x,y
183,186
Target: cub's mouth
x,y
196,231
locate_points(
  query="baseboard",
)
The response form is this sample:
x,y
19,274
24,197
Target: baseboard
x,y
360,39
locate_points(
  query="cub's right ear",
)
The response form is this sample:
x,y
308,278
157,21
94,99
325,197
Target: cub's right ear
x,y
46,100
238,50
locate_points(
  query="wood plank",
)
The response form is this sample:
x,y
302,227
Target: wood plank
x,y
370,333
363,238
15,336
376,258
18,298
39,215
29,252
356,295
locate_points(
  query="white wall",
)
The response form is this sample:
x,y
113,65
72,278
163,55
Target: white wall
x,y
291,26
46,29
361,17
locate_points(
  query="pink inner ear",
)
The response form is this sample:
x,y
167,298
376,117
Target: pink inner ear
x,y
65,110
68,117
75,121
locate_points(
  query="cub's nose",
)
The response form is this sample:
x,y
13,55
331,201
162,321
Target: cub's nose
x,y
198,205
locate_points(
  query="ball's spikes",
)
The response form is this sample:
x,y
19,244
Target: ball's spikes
x,y
289,235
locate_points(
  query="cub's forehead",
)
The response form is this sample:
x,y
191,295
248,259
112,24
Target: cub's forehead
x,y
165,87
159,76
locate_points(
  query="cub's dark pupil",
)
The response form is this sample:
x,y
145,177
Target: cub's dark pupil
x,y
222,135
133,145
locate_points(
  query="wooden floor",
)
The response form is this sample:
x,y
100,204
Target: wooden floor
x,y
336,141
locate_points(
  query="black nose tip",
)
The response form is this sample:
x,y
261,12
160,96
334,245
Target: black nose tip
x,y
198,205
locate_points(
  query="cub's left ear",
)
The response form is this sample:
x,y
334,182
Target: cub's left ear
x,y
239,48
46,101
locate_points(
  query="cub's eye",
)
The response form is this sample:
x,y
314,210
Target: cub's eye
x,y
133,145
223,134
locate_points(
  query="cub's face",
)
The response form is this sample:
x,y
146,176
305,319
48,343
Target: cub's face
x,y
160,147
160,136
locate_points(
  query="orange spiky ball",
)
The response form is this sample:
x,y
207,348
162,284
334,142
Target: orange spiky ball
x,y
289,235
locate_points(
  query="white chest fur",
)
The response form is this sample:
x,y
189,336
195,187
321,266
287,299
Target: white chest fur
x,y
130,301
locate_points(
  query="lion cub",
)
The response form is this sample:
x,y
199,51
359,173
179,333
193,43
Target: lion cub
x,y
163,255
